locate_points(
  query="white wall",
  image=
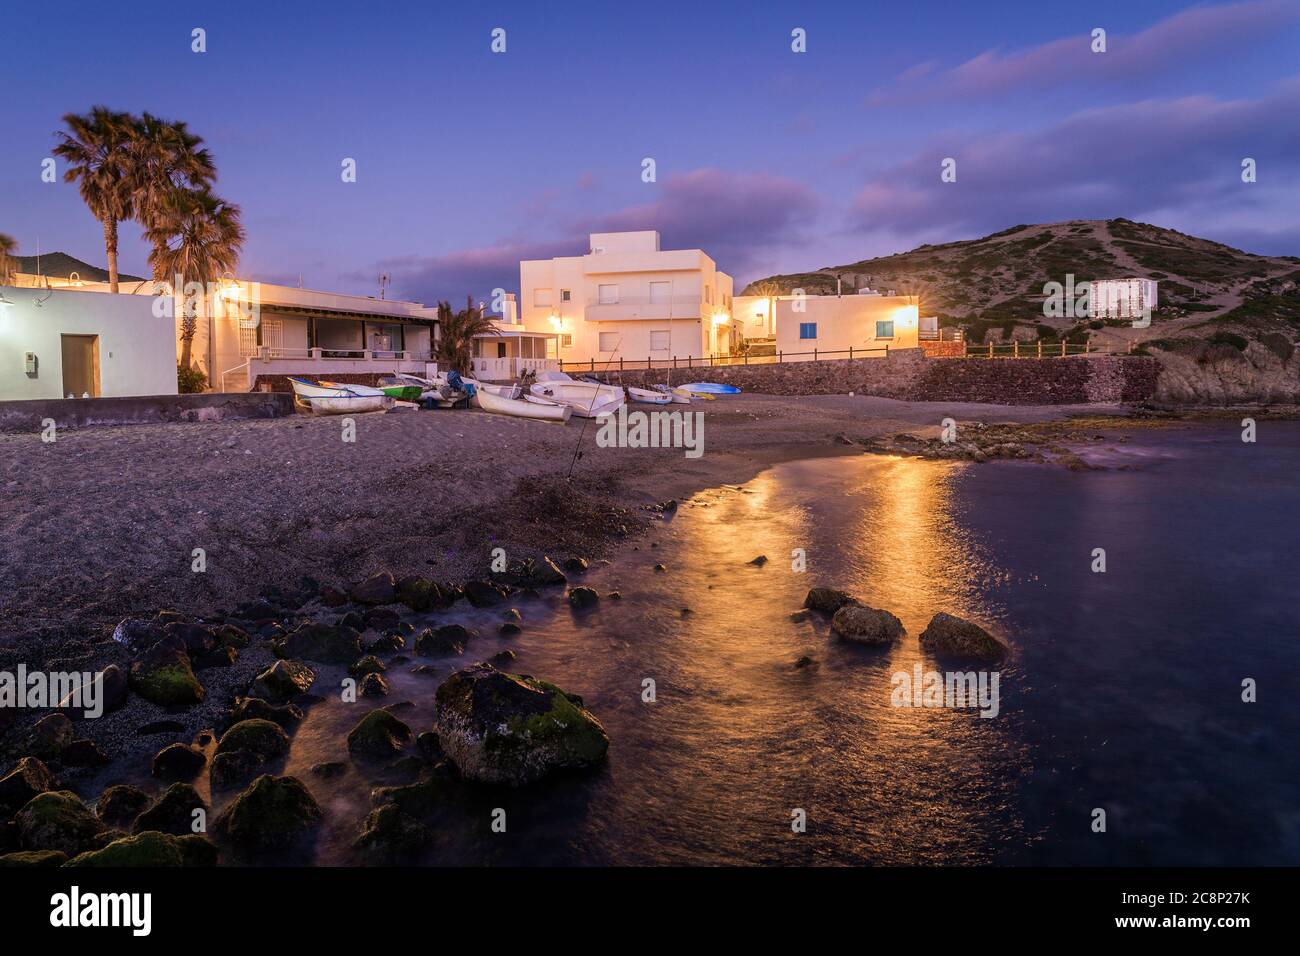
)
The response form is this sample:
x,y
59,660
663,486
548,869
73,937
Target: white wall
x,y
137,351
845,322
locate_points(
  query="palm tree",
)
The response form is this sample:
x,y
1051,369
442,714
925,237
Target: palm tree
x,y
8,247
98,157
164,157
196,236
456,333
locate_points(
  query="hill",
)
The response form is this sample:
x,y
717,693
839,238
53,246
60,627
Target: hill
x,y
60,265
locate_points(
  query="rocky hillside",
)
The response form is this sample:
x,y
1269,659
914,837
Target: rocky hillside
x,y
1225,330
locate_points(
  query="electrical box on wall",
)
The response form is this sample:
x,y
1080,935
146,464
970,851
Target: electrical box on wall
x,y
29,362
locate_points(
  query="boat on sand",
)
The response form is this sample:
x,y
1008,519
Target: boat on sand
x,y
587,399
337,398
501,401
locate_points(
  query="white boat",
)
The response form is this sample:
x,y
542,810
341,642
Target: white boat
x,y
587,399
492,400
339,399
437,390
676,395
647,396
504,391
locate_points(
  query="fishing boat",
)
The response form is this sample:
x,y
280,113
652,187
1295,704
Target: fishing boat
x,y
587,399
675,395
646,396
439,391
338,399
709,388
502,402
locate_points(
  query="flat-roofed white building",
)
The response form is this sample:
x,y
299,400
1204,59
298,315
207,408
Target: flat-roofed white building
x,y
628,299
868,323
1130,298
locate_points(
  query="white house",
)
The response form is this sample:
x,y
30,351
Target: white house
x,y
1121,298
628,299
57,343
866,323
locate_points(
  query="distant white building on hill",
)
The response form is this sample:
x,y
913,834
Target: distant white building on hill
x,y
1121,298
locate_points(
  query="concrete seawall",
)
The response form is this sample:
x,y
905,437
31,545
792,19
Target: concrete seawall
x,y
910,376
144,409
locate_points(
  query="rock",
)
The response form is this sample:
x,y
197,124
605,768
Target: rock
x,y
330,770
448,639
164,677
234,769
326,643
22,783
580,565
377,589
282,681
173,813
502,728
509,629
160,727
178,762
273,813
378,735
502,657
197,850
374,685
388,835
512,614
287,716
231,636
34,858
108,689
827,600
430,749
615,596
581,597
332,597
84,753
381,618
120,804
760,560
424,670
483,593
660,567
222,656
367,665
803,662
262,737
57,820
144,849
137,635
545,573
417,593
352,619
197,638
949,636
799,616
866,625
50,735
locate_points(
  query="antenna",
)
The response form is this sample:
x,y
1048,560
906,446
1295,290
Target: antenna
x,y
383,283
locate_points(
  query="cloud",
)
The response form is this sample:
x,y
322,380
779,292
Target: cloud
x,y
1182,39
731,216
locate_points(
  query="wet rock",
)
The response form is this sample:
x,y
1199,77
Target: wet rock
x,y
509,629
326,643
660,567
581,597
178,762
84,753
48,738
57,820
145,849
799,617
429,747
329,770
374,685
378,735
501,658
511,614
332,597
108,689
25,781
483,593
827,600
231,636
282,681
173,813
866,625
579,565
367,665
952,637
377,589
34,858
273,813
448,639
197,638
352,619
804,662
287,716
197,850
137,635
545,573
615,596
262,737
120,804
222,656
760,560
382,618
388,836
234,769
163,676
386,644
503,728
417,593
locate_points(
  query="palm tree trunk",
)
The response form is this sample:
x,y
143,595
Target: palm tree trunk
x,y
110,247
188,327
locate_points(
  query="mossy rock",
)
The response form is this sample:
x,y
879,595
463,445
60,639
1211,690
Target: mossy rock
x,y
164,677
283,681
442,641
367,665
951,637
379,588
251,708
144,849
261,737
120,804
379,734
326,643
417,593
388,835
197,850
173,813
58,820
273,813
25,781
34,858
232,636
514,729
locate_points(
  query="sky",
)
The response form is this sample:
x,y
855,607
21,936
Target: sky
x,y
770,160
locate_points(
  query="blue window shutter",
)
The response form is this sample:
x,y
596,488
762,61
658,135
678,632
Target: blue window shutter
x,y
807,330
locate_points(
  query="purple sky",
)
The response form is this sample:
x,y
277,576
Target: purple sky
x,y
769,160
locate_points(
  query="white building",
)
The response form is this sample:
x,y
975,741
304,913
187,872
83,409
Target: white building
x,y
1121,298
628,299
867,323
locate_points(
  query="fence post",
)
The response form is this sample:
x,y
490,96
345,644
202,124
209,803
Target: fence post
x,y
674,361
620,363
593,365
1063,348
814,353
1040,348
1015,348
779,359
990,348
851,352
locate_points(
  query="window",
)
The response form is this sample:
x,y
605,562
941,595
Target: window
x,y
542,298
609,341
607,294
885,329
660,292
708,295
566,340
807,330
659,342
566,295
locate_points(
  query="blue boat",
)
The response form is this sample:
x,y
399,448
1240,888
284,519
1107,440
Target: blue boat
x,y
709,388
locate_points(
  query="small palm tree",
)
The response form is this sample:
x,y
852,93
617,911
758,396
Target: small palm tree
x,y
456,334
96,148
196,236
8,247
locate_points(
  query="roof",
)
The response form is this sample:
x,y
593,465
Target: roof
x,y
60,265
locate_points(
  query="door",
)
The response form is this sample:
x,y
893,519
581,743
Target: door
x,y
80,366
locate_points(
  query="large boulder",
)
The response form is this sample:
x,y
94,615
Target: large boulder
x,y
197,638
442,641
867,625
273,813
108,689
827,600
545,572
178,762
22,783
164,676
49,737
483,593
34,858
58,820
287,716
137,635
378,735
389,835
952,637
326,643
504,728
265,738
283,681
173,813
120,804
377,589
417,593
144,849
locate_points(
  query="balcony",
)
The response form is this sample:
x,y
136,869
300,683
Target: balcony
x,y
509,369
318,363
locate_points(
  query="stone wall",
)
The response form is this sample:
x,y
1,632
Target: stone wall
x,y
910,376
935,348
79,412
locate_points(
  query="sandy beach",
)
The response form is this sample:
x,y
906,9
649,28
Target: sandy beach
x,y
102,523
